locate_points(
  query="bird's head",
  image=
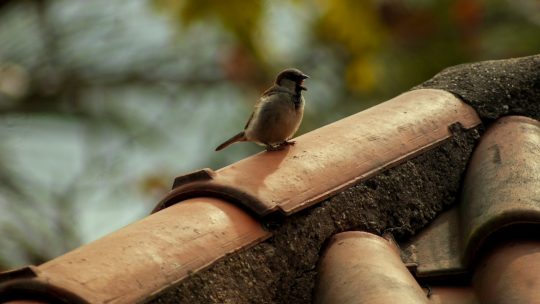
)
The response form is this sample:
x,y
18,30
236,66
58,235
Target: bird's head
x,y
293,77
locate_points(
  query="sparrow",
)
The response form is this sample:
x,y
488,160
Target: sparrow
x,y
277,115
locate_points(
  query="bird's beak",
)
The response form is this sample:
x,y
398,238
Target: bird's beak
x,y
304,76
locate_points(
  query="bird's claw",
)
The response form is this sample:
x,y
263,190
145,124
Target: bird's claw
x,y
280,146
288,143
274,148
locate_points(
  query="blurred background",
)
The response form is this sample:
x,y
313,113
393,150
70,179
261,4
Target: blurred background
x,y
103,102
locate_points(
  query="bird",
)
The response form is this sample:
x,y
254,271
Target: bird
x,y
277,115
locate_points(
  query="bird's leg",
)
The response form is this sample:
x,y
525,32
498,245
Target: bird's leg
x,y
274,148
280,146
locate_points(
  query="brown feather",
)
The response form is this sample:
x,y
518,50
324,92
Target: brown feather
x,y
238,137
275,89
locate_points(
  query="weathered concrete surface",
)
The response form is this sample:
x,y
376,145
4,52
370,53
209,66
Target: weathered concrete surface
x,y
494,88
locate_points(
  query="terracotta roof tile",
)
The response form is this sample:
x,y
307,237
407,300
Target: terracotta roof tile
x,y
502,186
149,255
146,257
501,189
510,272
334,157
360,267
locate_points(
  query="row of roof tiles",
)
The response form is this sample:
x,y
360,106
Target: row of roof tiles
x,y
334,157
488,243
360,267
138,262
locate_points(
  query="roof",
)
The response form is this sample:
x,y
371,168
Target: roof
x,y
285,226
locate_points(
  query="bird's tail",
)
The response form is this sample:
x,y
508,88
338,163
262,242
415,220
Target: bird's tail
x,y
238,137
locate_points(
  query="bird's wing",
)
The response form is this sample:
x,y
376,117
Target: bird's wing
x,y
275,89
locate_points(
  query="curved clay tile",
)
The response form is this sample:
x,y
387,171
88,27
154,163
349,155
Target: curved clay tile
x,y
502,185
149,255
329,159
509,272
490,238
360,267
500,190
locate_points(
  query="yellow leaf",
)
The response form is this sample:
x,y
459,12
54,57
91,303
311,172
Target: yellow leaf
x,y
353,24
361,75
